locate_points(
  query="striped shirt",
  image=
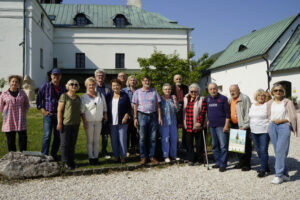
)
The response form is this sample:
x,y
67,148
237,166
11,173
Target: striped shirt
x,y
14,111
47,97
146,100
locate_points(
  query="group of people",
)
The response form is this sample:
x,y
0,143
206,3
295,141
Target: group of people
x,y
132,117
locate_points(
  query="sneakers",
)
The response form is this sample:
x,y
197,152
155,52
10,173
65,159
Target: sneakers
x,y
277,180
167,160
285,178
107,157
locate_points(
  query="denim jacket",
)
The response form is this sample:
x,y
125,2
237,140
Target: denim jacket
x,y
168,111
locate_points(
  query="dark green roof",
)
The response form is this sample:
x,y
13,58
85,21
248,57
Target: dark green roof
x,y
101,16
254,44
289,57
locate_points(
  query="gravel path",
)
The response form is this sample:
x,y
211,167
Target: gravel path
x,y
174,182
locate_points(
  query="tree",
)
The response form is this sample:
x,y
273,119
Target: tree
x,y
2,83
162,68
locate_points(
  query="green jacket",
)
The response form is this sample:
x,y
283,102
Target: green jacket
x,y
242,110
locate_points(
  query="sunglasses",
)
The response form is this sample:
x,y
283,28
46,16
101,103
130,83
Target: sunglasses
x,y
74,84
277,90
193,92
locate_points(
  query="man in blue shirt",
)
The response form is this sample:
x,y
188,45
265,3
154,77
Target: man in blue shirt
x,y
218,122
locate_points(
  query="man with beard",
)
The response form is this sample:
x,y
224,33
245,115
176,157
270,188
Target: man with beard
x,y
180,90
122,78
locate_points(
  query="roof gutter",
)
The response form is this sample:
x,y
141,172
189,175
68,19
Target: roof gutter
x,y
269,78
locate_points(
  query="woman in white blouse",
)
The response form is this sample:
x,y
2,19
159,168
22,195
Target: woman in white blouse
x,y
259,124
93,108
282,114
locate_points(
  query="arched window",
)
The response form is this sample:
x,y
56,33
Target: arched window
x,y
80,19
120,21
242,47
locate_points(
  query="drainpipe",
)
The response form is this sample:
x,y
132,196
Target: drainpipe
x,y
24,32
268,73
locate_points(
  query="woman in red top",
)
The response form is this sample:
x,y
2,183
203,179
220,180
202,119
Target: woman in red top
x,y
194,109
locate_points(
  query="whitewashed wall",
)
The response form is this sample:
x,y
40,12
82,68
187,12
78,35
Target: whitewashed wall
x,y
38,38
249,77
11,35
101,45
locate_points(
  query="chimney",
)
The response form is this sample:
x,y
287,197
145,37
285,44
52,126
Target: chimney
x,y
137,3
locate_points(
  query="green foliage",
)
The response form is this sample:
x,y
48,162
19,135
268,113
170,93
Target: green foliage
x,y
2,83
162,68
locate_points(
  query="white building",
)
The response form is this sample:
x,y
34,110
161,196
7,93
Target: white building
x,y
262,58
35,38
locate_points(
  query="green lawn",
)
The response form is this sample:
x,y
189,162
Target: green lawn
x,y
35,136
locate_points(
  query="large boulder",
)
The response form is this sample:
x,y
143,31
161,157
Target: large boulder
x,y
17,165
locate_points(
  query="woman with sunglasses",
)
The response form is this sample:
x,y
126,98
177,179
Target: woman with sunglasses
x,y
283,119
68,121
93,109
194,110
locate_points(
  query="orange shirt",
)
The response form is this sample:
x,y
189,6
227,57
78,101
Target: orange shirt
x,y
233,115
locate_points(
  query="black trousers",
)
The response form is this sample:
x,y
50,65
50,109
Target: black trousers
x,y
11,140
245,159
193,156
68,138
132,136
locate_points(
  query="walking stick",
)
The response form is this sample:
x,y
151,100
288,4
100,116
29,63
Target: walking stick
x,y
205,149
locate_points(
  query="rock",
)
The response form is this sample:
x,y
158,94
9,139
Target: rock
x,y
17,165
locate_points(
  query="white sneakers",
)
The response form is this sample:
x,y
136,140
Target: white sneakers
x,y
167,160
278,180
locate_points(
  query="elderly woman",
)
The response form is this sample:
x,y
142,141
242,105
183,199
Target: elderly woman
x,y
93,109
132,136
258,124
68,121
282,114
168,130
14,104
119,111
194,109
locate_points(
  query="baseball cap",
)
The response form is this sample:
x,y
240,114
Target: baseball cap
x,y
56,71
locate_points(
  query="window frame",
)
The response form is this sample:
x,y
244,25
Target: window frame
x,y
80,60
120,61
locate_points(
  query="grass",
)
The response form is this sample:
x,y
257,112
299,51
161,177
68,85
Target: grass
x,y
35,134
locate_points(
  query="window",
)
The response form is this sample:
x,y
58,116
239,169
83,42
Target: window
x,y
52,17
42,21
54,62
120,21
80,60
80,19
242,47
41,59
120,60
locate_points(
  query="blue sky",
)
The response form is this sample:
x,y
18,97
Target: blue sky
x,y
216,23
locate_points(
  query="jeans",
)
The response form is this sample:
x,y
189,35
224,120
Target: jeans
x,y
119,140
68,141
280,136
50,123
169,136
92,138
219,146
147,127
11,140
261,144
245,158
132,136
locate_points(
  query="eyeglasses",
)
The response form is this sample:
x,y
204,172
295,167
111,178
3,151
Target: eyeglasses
x,y
278,90
74,84
193,92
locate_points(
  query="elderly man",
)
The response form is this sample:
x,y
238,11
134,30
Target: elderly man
x,y
101,88
47,101
122,78
218,122
147,115
239,107
180,90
